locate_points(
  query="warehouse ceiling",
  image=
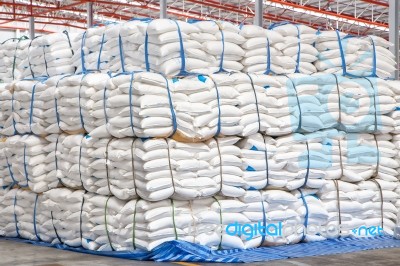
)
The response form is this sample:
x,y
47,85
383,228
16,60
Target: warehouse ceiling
x,y
358,17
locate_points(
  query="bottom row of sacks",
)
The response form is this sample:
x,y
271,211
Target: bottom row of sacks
x,y
260,218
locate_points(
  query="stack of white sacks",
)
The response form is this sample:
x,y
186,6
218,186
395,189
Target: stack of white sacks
x,y
149,105
65,217
165,168
291,162
360,56
88,50
147,157
47,56
169,49
32,162
197,108
17,209
354,207
221,45
297,48
12,53
261,56
131,37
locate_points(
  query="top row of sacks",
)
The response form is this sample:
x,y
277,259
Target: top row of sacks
x,y
173,47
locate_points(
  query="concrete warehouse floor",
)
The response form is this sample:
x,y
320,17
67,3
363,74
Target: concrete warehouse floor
x,y
16,254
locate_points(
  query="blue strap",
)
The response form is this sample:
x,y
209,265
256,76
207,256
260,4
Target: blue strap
x,y
146,51
373,74
264,222
147,20
31,107
131,103
15,55
266,162
101,49
45,61
256,100
83,53
219,106
298,105
277,24
25,168
54,227
308,166
15,215
55,156
298,53
181,50
80,216
375,114
69,41
12,112
29,59
221,62
306,216
80,158
56,101
121,53
171,106
268,70
79,103
104,104
341,53
34,218
11,172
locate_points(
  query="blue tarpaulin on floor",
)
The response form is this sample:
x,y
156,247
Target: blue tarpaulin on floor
x,y
184,251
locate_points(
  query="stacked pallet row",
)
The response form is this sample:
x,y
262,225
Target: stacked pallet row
x,y
133,159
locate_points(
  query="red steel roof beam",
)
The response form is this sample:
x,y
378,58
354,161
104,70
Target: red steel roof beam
x,y
325,12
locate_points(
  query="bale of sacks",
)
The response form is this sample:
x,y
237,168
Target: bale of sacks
x,y
365,105
30,163
88,47
27,109
149,105
6,176
382,210
291,162
6,109
80,102
365,156
48,55
298,103
157,169
73,162
221,45
100,222
65,221
130,38
297,47
22,215
12,52
367,56
261,54
361,209
168,48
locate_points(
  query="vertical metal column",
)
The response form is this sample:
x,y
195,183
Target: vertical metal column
x,y
394,17
258,18
163,8
31,28
89,10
